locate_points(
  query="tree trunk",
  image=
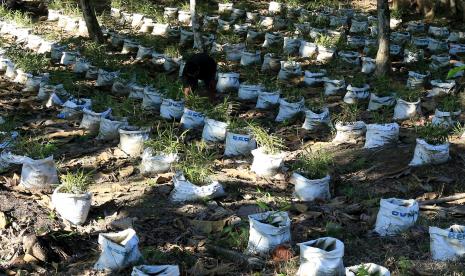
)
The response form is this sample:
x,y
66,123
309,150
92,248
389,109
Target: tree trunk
x,y
91,22
383,64
198,44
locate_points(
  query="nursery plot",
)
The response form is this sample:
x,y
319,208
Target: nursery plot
x,y
300,146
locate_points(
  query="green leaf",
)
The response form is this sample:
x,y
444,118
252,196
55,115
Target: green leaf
x,y
454,71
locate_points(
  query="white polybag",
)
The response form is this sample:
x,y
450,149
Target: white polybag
x,y
68,58
238,144
445,119
265,164
310,189
214,131
267,99
368,65
72,207
356,93
105,78
377,102
440,32
349,132
447,244
108,129
119,250
227,82
35,174
321,257
325,54
171,109
186,191
405,110
263,236
152,99
153,163
358,26
160,270
313,119
395,216
307,49
291,46
289,70
144,52
250,58
333,87
248,91
314,78
426,154
233,51
132,140
440,87
371,268
91,120
191,119
273,39
271,62
378,135
350,57
287,110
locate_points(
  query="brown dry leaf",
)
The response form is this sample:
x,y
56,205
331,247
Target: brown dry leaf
x,y
12,181
125,172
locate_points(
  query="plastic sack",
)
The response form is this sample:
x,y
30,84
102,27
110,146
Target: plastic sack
x,y
405,110
254,37
325,54
266,99
378,135
109,127
395,50
214,131
119,250
35,174
271,62
275,7
186,37
447,244
368,65
136,91
81,65
439,61
445,119
147,26
160,270
287,110
313,119
415,27
72,108
248,92
72,207
53,15
412,57
264,236
333,87
160,29
440,87
437,46
421,42
396,216
349,132
105,78
356,93
321,257
307,49
350,57
250,58
314,78
371,268
171,109
129,47
289,70
131,140
21,76
186,191
91,120
191,119
144,52
170,13
92,73
400,38
273,39
10,72
116,40
426,154
310,189
224,25
358,26
227,82
291,46
34,42
439,32
152,99
238,144
234,51
156,163
416,80
265,164
266,22
33,84
338,21
184,18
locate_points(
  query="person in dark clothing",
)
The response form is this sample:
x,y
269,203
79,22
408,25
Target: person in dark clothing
x,y
200,67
